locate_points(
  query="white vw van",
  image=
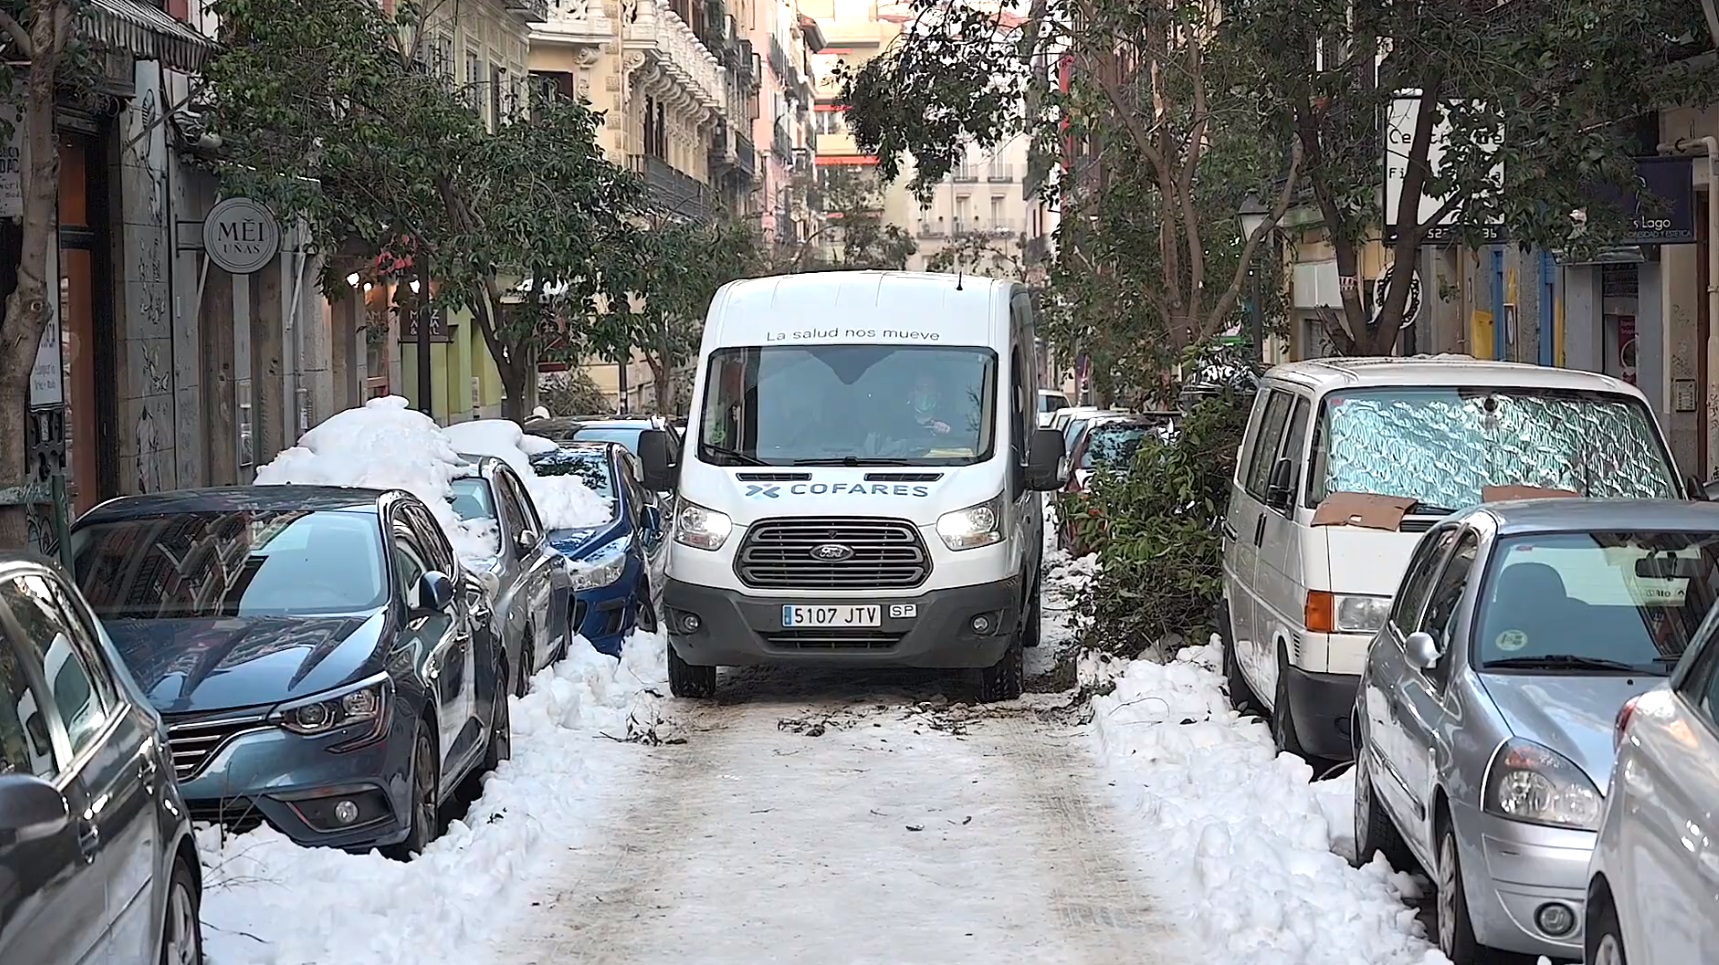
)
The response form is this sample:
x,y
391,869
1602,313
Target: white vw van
x,y
1347,461
859,482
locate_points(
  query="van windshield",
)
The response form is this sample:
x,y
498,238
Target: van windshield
x,y
802,405
1443,446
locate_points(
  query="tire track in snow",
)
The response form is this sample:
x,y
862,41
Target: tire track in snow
x,y
883,840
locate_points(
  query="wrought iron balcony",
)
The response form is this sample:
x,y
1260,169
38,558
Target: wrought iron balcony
x,y
746,157
781,144
531,11
673,192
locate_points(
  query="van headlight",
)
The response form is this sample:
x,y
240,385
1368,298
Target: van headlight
x,y
602,567
365,702
701,528
973,527
1535,784
1362,614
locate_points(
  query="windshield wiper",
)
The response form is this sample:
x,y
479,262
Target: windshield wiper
x,y
739,457
852,461
1562,661
1428,509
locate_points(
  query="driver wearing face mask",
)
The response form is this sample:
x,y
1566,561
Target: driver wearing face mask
x,y
926,405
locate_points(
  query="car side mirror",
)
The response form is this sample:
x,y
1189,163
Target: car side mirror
x,y
1280,487
653,519
1708,490
527,539
1422,650
435,591
1047,461
656,452
30,809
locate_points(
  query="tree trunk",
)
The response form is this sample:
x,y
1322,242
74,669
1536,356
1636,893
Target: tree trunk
x,y
513,403
27,308
662,386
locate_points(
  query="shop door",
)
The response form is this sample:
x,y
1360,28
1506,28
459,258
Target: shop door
x,y
88,336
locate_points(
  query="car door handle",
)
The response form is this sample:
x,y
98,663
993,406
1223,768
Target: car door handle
x,y
147,769
89,839
1259,531
1230,532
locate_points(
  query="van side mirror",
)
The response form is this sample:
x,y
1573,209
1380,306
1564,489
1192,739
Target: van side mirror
x,y
656,453
1047,467
30,809
1708,491
1422,650
1280,487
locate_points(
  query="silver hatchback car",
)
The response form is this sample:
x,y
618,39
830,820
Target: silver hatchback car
x,y
1483,725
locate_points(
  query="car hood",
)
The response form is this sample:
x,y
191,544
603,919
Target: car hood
x,y
194,666
1572,714
581,542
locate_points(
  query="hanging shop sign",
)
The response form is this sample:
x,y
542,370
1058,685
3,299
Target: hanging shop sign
x,y
241,236
1660,204
1403,116
1382,284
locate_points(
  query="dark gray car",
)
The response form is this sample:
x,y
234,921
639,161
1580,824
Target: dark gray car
x,y
97,863
530,583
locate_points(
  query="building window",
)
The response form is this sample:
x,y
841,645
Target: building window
x,y
499,100
474,80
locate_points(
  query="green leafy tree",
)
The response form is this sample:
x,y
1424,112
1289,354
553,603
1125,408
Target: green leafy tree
x,y
976,253
45,59
678,268
854,234
1550,76
327,111
573,392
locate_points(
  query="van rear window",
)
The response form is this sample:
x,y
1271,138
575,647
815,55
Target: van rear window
x,y
1444,445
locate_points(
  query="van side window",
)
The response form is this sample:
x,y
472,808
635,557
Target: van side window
x,y
1295,441
1266,441
1018,408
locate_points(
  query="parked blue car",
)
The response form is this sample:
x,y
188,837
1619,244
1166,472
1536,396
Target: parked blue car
x,y
315,661
623,557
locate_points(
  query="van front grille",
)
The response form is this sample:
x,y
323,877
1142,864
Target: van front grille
x,y
788,554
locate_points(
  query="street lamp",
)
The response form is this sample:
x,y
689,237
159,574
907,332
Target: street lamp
x,y
1252,216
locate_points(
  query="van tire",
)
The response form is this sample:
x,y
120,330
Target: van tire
x,y
1005,679
1282,717
686,680
1235,684
1033,622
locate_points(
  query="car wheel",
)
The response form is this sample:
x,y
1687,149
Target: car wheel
x,y
500,745
182,931
1282,717
686,680
1031,630
1455,928
1241,695
1374,830
527,664
1005,679
424,804
1604,939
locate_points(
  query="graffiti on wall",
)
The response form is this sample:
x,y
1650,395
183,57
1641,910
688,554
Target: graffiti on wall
x,y
148,327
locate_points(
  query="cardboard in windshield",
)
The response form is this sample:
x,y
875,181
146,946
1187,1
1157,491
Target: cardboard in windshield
x,y
1499,494
1366,510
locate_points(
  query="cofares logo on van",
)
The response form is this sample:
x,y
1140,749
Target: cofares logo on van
x,y
777,491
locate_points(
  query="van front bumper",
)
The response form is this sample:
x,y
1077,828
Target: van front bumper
x,y
739,630
1321,704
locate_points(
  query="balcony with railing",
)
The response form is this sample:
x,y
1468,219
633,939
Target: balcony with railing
x,y
664,38
1000,173
673,192
574,21
965,172
530,11
781,143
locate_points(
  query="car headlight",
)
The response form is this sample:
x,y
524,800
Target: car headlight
x,y
364,702
1535,784
975,526
602,567
1362,614
701,528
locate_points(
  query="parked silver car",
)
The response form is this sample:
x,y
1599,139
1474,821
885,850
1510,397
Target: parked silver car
x,y
1653,884
1483,726
530,583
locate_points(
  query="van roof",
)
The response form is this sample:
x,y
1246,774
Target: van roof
x,y
961,309
1329,374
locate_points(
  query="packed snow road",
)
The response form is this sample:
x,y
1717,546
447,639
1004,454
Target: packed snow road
x,y
831,819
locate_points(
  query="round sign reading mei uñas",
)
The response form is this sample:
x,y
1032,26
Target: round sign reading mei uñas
x,y
241,235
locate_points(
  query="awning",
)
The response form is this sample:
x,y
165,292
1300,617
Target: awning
x,y
147,33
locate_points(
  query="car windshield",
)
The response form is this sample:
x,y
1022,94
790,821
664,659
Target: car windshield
x,y
782,405
1629,598
591,466
627,436
1114,446
1051,403
1444,446
232,563
473,500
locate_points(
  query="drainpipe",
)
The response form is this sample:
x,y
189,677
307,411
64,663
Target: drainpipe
x,y
1710,146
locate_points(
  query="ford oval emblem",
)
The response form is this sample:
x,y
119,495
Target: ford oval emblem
x,y
832,552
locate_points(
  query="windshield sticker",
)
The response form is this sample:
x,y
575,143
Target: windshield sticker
x,y
775,490
1511,641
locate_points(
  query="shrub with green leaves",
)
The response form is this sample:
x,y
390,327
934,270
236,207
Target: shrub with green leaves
x,y
1159,548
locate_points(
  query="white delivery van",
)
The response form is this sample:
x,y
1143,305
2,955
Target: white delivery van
x,y
859,482
1347,461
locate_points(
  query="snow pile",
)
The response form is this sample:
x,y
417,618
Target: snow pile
x,y
383,444
1263,886
562,502
270,902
